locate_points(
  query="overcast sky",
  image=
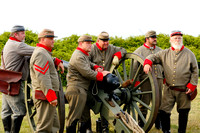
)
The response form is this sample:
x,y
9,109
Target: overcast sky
x,y
122,18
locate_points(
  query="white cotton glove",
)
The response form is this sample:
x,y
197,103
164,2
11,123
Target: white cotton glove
x,y
115,61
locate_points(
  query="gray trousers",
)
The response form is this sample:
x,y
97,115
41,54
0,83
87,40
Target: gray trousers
x,y
13,106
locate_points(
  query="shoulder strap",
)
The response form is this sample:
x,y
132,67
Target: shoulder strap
x,y
3,65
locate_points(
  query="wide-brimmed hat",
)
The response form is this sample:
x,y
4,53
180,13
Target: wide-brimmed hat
x,y
150,34
46,33
17,28
85,38
103,36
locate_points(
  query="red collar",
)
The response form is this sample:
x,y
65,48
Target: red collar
x,y
82,51
100,47
180,49
149,47
45,47
14,39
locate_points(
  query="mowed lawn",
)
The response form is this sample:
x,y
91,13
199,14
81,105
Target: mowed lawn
x,y
193,123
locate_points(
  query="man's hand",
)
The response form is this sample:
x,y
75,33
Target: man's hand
x,y
147,68
115,61
60,65
54,102
188,91
99,69
105,73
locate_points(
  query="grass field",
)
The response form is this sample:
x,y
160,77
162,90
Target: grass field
x,y
193,122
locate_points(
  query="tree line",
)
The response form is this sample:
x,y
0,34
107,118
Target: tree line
x,y
64,47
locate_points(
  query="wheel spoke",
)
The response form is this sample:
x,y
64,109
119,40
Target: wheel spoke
x,y
141,102
119,76
141,83
142,93
131,69
136,75
139,112
124,70
133,111
125,107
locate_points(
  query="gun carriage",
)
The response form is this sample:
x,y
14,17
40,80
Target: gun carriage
x,y
125,98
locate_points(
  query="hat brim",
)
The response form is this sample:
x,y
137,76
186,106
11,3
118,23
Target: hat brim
x,y
89,41
176,33
48,36
104,39
153,36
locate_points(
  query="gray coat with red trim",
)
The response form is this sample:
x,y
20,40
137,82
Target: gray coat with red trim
x,y
15,55
180,68
43,73
80,71
104,57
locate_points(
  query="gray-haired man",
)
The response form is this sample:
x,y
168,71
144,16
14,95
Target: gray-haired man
x,y
15,55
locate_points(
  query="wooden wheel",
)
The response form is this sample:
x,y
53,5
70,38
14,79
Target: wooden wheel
x,y
31,110
130,96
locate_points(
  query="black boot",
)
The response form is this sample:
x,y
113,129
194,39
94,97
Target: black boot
x,y
165,121
72,128
158,122
104,125
182,120
16,124
140,121
7,124
85,127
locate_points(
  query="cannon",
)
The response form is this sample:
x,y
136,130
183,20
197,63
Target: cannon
x,y
124,99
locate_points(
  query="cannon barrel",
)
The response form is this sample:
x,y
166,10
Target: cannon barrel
x,y
65,63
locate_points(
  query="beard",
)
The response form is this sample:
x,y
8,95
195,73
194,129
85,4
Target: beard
x,y
177,45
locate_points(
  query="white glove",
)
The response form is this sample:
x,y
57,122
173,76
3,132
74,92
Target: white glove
x,y
115,61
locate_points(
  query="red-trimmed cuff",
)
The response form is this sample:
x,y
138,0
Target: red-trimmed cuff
x,y
51,95
118,54
57,61
164,80
191,86
96,66
147,61
137,83
99,76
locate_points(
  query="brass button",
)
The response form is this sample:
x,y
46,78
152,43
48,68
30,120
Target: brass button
x,y
173,80
155,68
173,84
155,65
174,67
174,71
173,75
175,63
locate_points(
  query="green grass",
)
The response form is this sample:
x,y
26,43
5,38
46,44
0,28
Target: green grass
x,y
193,122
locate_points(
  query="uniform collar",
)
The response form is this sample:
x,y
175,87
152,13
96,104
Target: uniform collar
x,y
14,39
83,51
45,47
149,47
100,47
180,49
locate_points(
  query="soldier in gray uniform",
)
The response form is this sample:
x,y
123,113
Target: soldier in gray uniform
x,y
149,47
80,73
45,83
104,54
181,73
15,56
